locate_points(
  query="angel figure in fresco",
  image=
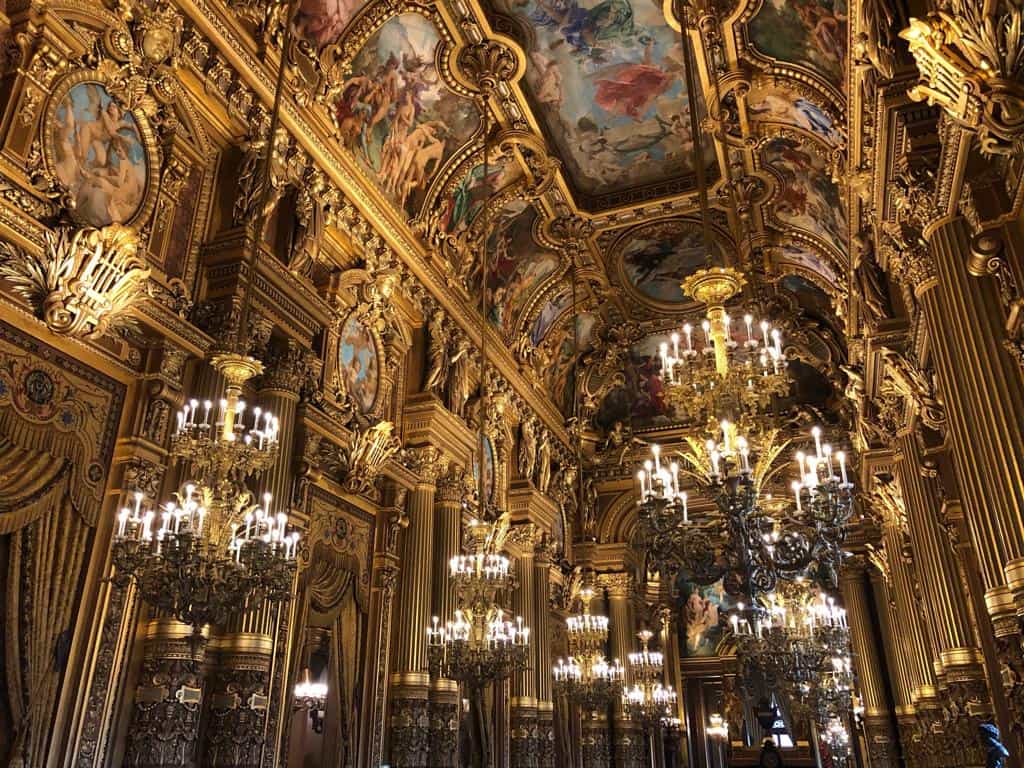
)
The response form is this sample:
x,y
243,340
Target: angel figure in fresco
x,y
588,31
321,22
826,28
548,89
701,615
630,89
98,137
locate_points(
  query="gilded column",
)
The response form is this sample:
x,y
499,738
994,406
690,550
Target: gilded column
x,y
540,622
410,717
896,657
168,700
444,694
959,663
525,746
629,741
878,715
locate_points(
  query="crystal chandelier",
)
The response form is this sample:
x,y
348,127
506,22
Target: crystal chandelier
x,y
480,646
587,678
313,698
730,369
748,542
648,702
212,551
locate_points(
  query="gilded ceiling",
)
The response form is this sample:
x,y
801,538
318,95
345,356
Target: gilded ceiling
x,y
595,121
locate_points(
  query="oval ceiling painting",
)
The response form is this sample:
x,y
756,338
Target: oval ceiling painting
x,y
395,112
808,32
99,155
655,258
357,363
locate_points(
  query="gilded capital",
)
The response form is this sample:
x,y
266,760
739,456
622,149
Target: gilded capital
x,y
428,462
454,485
619,585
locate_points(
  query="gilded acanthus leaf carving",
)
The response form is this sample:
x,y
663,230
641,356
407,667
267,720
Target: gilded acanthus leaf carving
x,y
83,282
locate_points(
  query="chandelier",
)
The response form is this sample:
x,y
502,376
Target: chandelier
x,y
313,698
731,368
748,541
480,646
212,551
648,702
587,678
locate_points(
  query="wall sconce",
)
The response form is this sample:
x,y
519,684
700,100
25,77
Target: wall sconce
x,y
312,697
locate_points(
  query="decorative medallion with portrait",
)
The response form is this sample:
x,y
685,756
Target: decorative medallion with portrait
x,y
99,152
359,363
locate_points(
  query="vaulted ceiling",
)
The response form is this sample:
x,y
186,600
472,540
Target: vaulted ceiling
x,y
597,123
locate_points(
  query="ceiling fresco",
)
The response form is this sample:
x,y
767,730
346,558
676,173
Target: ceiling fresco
x,y
561,343
806,32
807,197
321,22
606,83
397,114
655,258
798,255
517,265
550,312
780,103
459,204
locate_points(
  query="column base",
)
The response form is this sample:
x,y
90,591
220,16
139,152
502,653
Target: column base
x,y
596,746
546,734
444,708
630,745
881,741
238,701
410,728
168,700
525,737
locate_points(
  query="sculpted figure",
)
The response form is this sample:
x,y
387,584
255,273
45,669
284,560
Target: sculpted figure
x,y
544,460
527,449
460,385
438,364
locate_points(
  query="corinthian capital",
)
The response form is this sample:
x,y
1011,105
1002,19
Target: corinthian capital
x,y
428,462
617,584
968,54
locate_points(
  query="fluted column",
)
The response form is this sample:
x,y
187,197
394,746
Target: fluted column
x,y
525,741
622,641
165,721
898,663
540,622
959,662
878,715
410,718
444,694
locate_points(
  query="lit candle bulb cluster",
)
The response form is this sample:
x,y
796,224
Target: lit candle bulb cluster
x,y
732,449
208,420
587,624
489,567
611,672
567,671
660,481
260,525
759,352
819,469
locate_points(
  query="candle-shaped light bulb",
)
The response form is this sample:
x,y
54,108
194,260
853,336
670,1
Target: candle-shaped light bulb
x,y
796,491
816,432
675,345
688,330
707,332
842,465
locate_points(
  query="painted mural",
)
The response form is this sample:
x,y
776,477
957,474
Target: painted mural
x,y
812,299
804,256
460,205
517,265
643,379
657,257
702,616
779,103
549,313
488,481
808,198
358,365
98,155
809,32
321,22
606,77
562,342
397,115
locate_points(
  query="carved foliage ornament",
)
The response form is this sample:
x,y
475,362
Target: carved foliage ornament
x,y
83,282
970,56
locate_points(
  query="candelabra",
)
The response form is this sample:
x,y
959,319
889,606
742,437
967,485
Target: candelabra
x,y
648,702
837,738
732,369
212,551
587,678
313,698
480,646
748,542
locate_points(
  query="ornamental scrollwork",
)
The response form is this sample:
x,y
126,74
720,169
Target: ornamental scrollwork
x,y
83,283
359,464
